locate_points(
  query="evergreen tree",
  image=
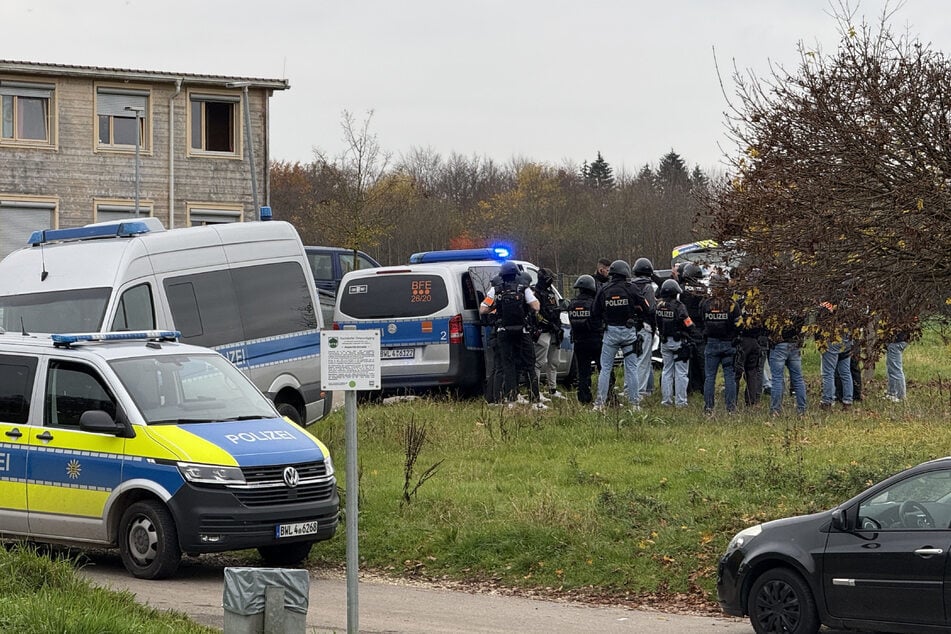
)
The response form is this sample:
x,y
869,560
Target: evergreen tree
x,y
598,175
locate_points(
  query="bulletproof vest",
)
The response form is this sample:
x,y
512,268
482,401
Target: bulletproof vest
x,y
719,319
510,305
579,314
620,303
666,315
691,298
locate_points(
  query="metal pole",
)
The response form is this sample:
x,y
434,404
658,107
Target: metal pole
x,y
353,559
247,137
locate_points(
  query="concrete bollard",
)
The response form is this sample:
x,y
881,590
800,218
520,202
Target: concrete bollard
x,y
265,600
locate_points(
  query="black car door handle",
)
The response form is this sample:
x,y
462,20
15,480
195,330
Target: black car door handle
x,y
46,435
928,552
14,433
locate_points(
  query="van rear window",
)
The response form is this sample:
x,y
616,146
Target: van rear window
x,y
393,295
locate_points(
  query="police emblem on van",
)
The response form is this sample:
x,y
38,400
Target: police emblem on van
x,y
391,328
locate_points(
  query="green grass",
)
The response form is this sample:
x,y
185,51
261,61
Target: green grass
x,y
43,594
623,504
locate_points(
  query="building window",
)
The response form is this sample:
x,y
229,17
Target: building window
x,y
110,210
26,112
212,214
20,217
116,118
214,124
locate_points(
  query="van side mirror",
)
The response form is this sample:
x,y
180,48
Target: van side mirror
x,y
98,421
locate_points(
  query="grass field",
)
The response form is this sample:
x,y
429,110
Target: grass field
x,y
625,505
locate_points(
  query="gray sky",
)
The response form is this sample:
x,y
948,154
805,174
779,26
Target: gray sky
x,y
549,80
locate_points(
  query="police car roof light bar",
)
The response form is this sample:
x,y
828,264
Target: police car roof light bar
x,y
457,255
117,230
65,340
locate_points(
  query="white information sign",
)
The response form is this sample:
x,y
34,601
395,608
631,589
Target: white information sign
x,y
350,360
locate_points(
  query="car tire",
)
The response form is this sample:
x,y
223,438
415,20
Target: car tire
x,y
148,541
290,412
781,601
280,555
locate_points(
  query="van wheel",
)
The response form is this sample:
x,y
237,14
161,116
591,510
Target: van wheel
x,y
289,411
285,554
148,541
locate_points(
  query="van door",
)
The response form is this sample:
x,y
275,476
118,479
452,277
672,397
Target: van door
x,y
17,376
72,473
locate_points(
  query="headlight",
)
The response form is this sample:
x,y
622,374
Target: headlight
x,y
329,462
211,474
744,536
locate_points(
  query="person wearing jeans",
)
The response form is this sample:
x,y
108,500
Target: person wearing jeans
x,y
719,352
719,315
785,355
894,368
835,362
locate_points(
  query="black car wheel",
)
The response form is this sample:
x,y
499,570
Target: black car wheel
x,y
148,541
780,601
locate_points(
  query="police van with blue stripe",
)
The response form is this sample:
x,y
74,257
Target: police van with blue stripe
x,y
158,448
244,289
427,312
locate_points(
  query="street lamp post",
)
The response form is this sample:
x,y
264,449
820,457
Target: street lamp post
x,y
243,85
138,110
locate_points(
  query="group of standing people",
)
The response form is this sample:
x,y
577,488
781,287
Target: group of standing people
x,y
703,329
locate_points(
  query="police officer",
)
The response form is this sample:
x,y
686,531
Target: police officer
x,y
752,346
511,335
585,334
676,330
692,294
643,284
493,353
548,334
621,308
719,315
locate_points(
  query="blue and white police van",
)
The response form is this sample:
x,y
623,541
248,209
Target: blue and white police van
x,y
132,440
427,312
244,289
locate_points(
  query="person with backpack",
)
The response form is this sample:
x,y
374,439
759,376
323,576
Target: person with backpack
x,y
547,334
585,334
621,307
513,302
676,331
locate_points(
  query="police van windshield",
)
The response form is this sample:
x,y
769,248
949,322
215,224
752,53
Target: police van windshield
x,y
79,310
178,389
393,296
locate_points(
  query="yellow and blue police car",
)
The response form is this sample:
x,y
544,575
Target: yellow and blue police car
x,y
136,441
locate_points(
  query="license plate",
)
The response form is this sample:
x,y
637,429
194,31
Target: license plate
x,y
295,530
397,353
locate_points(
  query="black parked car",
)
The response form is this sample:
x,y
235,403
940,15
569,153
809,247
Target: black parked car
x,y
876,562
329,264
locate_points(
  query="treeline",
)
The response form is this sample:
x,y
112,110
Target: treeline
x,y
561,217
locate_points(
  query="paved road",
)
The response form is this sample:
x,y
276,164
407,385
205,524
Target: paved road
x,y
395,608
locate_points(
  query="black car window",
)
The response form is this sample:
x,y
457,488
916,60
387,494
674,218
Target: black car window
x,y
16,388
920,502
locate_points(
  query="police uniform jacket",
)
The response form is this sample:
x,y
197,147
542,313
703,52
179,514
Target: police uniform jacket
x,y
618,303
720,316
672,320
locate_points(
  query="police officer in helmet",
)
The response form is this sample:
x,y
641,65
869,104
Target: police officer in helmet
x,y
619,305
585,334
644,285
694,292
676,330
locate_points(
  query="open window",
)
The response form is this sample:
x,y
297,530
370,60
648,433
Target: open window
x,y
213,125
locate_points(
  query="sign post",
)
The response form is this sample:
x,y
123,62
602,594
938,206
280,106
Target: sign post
x,y
350,361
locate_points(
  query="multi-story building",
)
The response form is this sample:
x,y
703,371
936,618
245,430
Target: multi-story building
x,y
83,144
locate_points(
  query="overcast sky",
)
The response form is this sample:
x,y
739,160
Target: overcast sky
x,y
548,80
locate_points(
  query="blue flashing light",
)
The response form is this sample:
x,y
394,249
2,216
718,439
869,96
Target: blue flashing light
x,y
117,230
132,335
457,255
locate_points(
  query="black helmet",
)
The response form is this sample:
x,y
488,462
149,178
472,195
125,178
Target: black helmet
x,y
691,272
509,269
643,267
586,283
620,268
670,289
545,276
525,278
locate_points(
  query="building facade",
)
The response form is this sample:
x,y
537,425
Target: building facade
x,y
87,144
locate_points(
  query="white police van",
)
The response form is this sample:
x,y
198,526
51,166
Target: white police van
x,y
428,315
133,440
244,289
